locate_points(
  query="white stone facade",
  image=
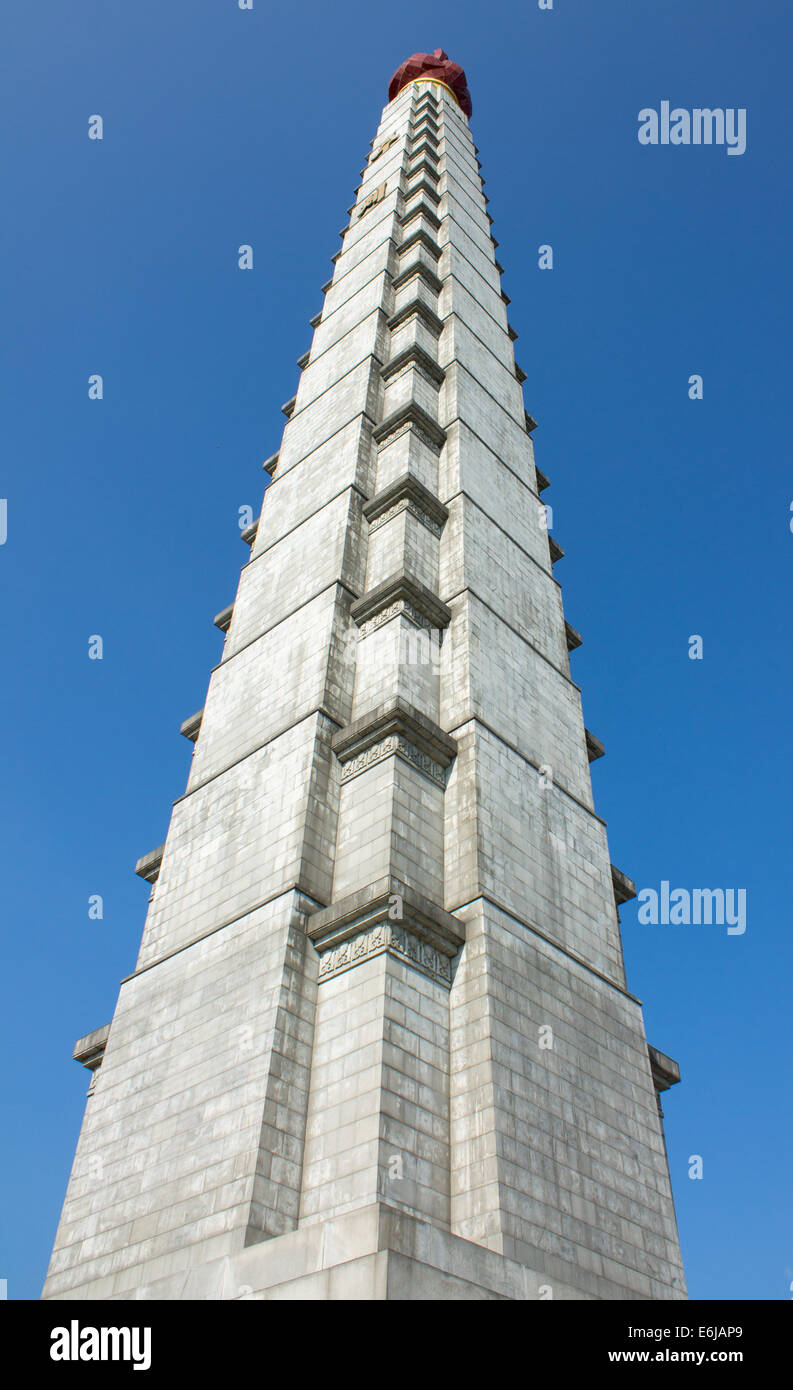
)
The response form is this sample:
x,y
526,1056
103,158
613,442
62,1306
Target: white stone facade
x,y
324,1078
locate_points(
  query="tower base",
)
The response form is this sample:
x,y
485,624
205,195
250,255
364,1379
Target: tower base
x,y
371,1254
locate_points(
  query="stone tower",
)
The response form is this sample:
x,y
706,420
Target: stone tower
x,y
378,1042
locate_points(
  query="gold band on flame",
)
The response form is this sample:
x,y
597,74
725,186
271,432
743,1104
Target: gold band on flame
x,y
436,82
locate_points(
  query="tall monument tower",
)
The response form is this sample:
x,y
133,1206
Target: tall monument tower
x,y
378,1042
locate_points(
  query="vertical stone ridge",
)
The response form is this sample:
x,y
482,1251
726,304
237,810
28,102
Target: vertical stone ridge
x,y
393,778
278,1161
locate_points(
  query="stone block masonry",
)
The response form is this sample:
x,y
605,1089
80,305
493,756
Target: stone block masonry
x,y
378,1042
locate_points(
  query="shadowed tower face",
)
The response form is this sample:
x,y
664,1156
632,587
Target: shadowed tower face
x,y
378,1042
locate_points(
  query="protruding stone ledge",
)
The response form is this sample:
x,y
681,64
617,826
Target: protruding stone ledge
x,y
426,142
302,361
428,147
401,589
422,189
422,210
416,308
192,726
407,492
556,550
394,728
424,136
624,887
426,102
317,319
249,534
594,748
431,114
90,1050
543,481
426,122
336,923
387,915
271,463
417,270
423,165
223,618
414,356
512,332
574,639
288,408
421,238
665,1070
148,866
520,374
323,289
427,164
411,417
665,1073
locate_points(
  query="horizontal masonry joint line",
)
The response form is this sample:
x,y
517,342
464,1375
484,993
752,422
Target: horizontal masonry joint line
x,y
557,786
279,477
519,423
547,574
459,420
255,907
369,357
249,752
340,280
379,309
468,590
335,583
536,931
348,487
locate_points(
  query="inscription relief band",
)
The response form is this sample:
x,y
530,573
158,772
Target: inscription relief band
x,y
395,744
386,937
390,916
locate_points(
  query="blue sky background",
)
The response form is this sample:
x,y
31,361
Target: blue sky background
x,y
225,127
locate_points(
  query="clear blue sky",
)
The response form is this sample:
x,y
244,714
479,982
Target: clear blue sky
x,y
224,127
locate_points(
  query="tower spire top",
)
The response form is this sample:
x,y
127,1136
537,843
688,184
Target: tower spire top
x,y
436,66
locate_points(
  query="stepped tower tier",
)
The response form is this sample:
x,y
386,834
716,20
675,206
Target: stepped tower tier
x,y
378,1042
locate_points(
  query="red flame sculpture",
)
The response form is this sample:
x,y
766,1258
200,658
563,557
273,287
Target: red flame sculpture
x,y
437,65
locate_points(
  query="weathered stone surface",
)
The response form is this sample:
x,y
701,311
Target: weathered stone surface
x,y
378,1043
